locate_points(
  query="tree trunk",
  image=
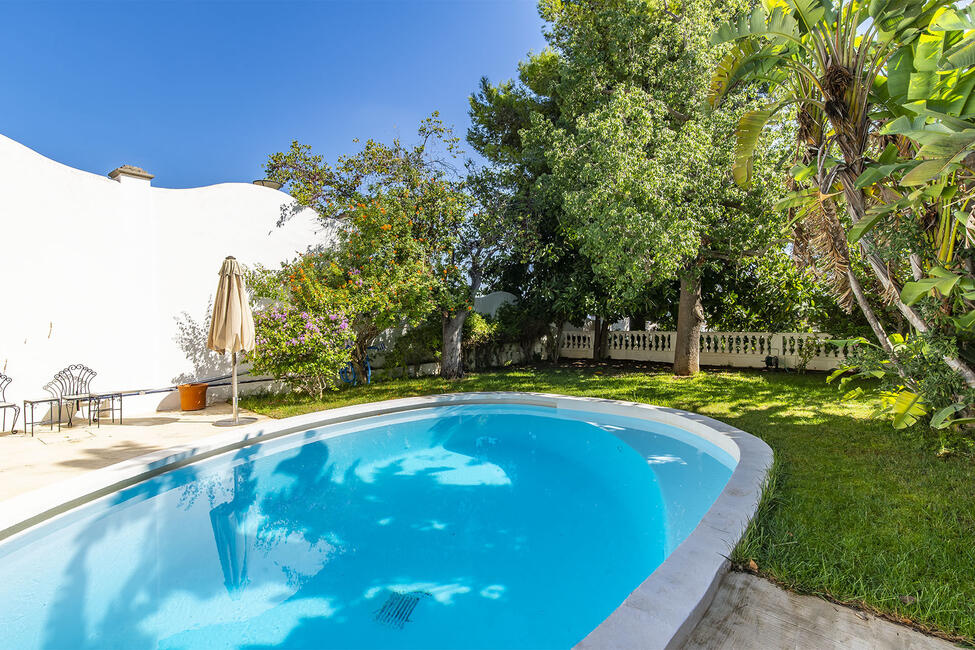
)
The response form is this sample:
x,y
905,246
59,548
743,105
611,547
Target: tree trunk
x,y
855,287
451,359
452,353
599,337
868,312
555,341
358,357
690,319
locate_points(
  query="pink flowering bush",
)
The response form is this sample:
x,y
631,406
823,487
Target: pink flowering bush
x,y
304,349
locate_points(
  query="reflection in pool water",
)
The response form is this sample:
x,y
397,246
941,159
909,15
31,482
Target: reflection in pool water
x,y
477,526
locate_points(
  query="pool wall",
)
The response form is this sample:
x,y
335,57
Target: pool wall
x,y
660,613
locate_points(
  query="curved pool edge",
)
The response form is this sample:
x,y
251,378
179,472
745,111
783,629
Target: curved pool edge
x,y
664,610
660,613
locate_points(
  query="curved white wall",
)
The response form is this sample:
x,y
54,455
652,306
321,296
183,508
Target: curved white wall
x,y
100,271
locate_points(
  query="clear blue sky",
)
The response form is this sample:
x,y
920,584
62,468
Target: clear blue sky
x,y
200,92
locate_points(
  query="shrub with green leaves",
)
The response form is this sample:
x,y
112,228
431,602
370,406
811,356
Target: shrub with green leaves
x,y
914,385
302,348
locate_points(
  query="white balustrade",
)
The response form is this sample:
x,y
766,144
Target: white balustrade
x,y
576,345
730,349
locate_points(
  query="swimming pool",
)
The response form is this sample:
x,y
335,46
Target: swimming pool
x,y
466,523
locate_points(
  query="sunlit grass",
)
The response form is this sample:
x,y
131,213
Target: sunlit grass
x,y
858,512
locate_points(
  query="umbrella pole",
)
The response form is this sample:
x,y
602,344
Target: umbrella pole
x,y
234,382
236,419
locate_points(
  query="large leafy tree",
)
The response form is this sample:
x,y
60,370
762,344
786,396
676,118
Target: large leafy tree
x,y
542,262
545,265
642,170
419,193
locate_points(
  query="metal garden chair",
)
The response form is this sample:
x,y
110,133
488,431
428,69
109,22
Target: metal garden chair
x,y
74,388
5,405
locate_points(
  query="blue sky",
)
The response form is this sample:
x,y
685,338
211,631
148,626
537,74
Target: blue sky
x,y
200,92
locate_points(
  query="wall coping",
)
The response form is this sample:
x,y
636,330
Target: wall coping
x,y
130,170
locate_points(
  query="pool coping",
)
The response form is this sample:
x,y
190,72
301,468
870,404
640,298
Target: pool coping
x,y
660,613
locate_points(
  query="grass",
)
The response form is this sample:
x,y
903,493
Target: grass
x,y
856,512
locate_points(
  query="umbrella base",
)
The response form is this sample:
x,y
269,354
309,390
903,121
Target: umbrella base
x,y
230,422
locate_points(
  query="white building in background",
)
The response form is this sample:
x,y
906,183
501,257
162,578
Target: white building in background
x,y
116,274
489,304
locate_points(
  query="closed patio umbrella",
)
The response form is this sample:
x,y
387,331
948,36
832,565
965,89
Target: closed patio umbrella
x,y
232,325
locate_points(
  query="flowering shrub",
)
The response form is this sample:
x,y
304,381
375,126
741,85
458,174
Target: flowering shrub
x,y
303,348
377,274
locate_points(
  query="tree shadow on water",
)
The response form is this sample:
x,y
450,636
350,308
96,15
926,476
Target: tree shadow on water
x,y
120,570
67,616
300,546
375,519
273,529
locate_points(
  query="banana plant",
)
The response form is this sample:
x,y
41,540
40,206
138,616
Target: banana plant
x,y
821,56
902,398
831,60
941,273
904,404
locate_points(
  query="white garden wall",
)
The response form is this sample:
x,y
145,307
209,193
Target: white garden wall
x,y
100,271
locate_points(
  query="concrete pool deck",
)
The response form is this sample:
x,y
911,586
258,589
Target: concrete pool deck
x,y
747,612
31,462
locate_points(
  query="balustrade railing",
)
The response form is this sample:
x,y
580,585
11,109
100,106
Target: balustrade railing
x,y
735,349
576,345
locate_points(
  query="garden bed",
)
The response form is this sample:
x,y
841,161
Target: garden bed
x,y
860,513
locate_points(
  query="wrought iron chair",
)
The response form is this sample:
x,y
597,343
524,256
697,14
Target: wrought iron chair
x,y
5,405
73,386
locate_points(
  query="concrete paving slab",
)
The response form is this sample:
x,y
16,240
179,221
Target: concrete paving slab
x,y
750,612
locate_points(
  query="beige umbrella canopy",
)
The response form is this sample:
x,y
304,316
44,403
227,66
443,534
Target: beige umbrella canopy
x,y
232,325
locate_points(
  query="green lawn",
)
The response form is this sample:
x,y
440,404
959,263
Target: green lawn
x,y
858,512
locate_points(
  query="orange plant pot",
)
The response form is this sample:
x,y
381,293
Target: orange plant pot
x,y
192,397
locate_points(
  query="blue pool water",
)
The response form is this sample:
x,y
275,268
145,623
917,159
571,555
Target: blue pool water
x,y
474,526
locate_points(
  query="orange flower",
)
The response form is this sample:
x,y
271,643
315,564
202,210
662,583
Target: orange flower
x,y
385,226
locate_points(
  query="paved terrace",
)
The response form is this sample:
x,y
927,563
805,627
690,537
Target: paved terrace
x,y
747,612
30,462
